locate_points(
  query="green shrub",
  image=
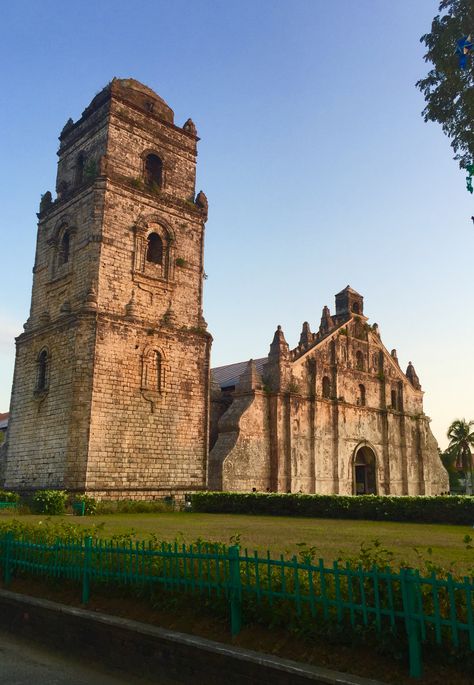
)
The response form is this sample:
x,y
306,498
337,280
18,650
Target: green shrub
x,y
50,530
90,503
90,170
421,509
128,506
49,501
137,183
7,496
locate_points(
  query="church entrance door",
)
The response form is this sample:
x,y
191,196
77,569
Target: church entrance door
x,y
364,472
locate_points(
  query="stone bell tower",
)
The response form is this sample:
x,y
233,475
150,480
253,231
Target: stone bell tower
x,y
111,385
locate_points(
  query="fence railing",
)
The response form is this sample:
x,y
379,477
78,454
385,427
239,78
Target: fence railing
x,y
427,609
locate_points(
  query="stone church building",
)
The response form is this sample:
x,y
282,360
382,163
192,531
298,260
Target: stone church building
x,y
111,391
334,415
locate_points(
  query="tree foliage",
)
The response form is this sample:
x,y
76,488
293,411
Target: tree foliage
x,y
448,89
461,439
449,462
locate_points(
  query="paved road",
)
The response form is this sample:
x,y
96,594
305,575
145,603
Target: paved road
x,y
25,663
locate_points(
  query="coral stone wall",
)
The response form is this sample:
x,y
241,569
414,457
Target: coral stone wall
x,y
125,411
338,414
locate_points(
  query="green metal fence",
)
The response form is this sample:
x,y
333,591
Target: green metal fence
x,y
428,609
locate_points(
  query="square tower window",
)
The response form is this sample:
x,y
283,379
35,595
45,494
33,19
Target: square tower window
x,y
153,171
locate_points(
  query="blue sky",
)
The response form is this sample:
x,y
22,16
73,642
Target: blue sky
x,y
316,161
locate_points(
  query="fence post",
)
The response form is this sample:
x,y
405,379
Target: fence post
x,y
412,625
235,590
86,570
7,571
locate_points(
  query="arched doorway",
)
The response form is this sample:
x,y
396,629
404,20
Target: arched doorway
x,y
364,471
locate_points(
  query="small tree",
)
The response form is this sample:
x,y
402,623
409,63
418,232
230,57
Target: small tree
x,y
461,439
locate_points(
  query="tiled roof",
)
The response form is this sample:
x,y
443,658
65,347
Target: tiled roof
x,y
348,289
4,420
228,376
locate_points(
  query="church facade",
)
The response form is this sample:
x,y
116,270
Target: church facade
x,y
111,384
335,415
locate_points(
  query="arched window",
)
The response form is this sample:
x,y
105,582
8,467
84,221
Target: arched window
x,y
42,377
393,399
326,387
158,373
65,248
154,251
80,164
356,308
400,396
153,170
361,395
359,361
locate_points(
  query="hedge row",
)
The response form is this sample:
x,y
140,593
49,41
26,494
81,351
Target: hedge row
x,y
459,509
10,497
53,502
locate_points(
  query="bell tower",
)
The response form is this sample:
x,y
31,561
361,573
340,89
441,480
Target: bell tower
x,y
111,385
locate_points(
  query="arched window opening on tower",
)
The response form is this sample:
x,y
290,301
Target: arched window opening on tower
x,y
152,375
42,377
154,251
65,250
356,308
359,361
361,398
326,387
80,165
158,374
153,171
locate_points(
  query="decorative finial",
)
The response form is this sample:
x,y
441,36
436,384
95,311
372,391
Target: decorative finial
x,y
306,336
326,321
202,203
190,127
90,302
131,307
45,202
412,377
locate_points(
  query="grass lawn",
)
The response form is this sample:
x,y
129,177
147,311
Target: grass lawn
x,y
331,537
